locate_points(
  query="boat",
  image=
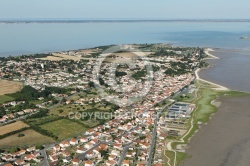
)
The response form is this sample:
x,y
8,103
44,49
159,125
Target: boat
x,y
244,37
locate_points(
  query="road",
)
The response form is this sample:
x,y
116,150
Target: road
x,y
82,155
125,149
16,119
45,158
153,138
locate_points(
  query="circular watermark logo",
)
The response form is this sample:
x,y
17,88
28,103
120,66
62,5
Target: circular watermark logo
x,y
122,75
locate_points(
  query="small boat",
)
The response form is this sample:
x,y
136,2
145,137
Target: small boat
x,y
244,37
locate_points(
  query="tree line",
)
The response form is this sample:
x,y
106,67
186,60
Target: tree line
x,y
29,93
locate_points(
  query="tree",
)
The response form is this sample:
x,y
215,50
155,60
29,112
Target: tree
x,y
150,127
91,84
103,152
21,135
40,147
170,72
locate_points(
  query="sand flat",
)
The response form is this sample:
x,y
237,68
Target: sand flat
x,y
225,141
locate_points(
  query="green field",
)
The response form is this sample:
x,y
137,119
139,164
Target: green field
x,y
189,97
64,128
91,123
42,120
4,98
74,97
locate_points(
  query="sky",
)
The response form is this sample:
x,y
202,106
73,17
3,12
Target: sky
x,y
124,9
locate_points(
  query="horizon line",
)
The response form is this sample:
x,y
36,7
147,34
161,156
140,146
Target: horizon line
x,y
75,20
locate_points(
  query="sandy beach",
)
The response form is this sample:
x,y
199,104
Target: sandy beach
x,y
225,141
211,56
218,87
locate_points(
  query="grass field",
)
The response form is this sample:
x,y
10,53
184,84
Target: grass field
x,y
74,97
30,137
204,105
179,157
42,120
12,127
64,128
4,99
189,97
64,110
9,87
91,123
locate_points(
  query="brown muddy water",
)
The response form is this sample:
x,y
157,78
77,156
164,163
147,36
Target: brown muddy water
x,y
225,140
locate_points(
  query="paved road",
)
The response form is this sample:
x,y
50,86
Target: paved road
x,y
82,155
125,149
45,158
153,138
152,141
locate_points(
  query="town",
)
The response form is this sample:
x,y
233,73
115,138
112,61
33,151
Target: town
x,y
50,121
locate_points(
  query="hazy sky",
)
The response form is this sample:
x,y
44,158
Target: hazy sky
x,y
161,9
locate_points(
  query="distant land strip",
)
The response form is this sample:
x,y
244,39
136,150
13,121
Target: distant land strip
x,y
116,20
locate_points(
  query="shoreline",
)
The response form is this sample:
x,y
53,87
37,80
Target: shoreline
x,y
219,87
222,136
220,107
194,127
207,51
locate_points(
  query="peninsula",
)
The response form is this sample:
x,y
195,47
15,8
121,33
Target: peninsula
x,y
134,104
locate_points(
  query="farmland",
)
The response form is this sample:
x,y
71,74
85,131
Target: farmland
x,y
30,137
64,128
9,87
42,120
12,127
58,57
4,98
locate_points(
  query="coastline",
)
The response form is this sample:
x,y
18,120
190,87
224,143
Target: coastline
x,y
208,104
214,132
224,139
218,87
207,51
211,56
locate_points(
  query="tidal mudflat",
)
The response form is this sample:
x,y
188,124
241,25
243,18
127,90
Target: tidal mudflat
x,y
225,140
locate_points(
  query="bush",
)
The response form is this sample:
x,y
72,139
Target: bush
x,y
21,135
